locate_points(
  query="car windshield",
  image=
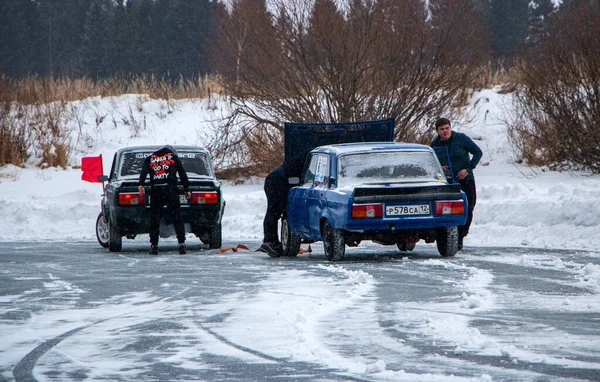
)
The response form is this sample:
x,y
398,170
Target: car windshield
x,y
388,167
194,163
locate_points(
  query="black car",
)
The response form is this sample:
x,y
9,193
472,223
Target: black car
x,y
125,213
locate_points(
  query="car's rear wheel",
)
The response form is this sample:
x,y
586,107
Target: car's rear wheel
x,y
447,241
333,242
115,241
102,233
215,238
406,247
290,241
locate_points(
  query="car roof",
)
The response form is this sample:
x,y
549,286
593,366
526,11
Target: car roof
x,y
361,147
152,148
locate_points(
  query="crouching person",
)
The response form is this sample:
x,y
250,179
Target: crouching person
x,y
276,190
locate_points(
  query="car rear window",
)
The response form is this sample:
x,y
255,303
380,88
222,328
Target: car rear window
x,y
386,167
195,163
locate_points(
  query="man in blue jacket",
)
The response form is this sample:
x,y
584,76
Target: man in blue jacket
x,y
457,147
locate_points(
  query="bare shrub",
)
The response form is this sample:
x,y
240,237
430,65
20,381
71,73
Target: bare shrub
x,y
559,99
361,61
36,130
51,141
31,129
14,136
34,113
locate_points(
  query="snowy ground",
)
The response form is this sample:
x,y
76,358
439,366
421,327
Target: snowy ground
x,y
516,206
72,311
473,305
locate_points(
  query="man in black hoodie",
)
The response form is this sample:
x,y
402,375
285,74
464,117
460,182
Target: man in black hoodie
x,y
163,166
276,190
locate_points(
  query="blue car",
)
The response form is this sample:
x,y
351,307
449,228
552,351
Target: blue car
x,y
388,192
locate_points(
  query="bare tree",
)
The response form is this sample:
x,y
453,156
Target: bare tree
x,y
559,100
367,59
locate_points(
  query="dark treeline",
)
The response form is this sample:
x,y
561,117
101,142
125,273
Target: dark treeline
x,y
176,38
104,38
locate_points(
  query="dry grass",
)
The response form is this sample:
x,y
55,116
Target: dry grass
x,y
499,75
37,90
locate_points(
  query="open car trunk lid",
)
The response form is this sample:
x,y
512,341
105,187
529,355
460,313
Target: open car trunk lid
x,y
301,138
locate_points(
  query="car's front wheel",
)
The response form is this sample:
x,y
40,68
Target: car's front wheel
x,y
115,241
290,241
447,241
333,242
102,233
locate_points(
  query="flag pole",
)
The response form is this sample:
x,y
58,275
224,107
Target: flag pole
x,y
102,167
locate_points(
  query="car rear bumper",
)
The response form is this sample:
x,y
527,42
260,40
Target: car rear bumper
x,y
379,224
133,220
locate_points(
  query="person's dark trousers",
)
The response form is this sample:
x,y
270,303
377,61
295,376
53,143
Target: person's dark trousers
x,y
159,197
468,186
276,190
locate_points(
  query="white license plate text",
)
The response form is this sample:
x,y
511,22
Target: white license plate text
x,y
411,209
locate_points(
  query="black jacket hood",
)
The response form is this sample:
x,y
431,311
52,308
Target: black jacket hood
x,y
166,149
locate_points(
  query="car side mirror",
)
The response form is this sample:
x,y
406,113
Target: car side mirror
x,y
294,180
102,178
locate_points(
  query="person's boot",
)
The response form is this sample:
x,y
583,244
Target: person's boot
x,y
182,249
460,242
153,250
273,249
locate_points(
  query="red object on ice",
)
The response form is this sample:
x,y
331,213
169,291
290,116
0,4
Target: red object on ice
x,y
92,169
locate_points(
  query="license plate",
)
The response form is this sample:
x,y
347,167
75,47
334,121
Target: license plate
x,y
411,209
182,199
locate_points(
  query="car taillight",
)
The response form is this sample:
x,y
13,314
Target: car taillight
x,y
449,208
131,199
205,197
367,210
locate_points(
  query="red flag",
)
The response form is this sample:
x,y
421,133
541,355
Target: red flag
x,y
92,168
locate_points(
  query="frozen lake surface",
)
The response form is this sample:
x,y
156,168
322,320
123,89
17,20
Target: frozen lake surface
x,y
74,311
